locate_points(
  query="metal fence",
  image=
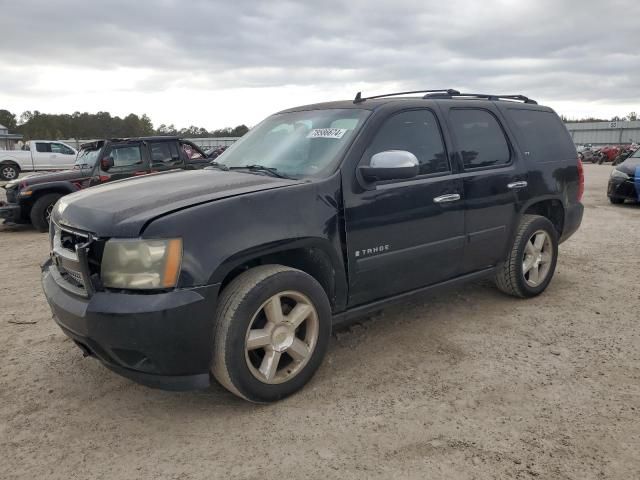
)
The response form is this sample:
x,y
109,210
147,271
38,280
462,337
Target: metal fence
x,y
605,133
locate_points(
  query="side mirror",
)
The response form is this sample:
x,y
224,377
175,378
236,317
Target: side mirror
x,y
106,163
391,165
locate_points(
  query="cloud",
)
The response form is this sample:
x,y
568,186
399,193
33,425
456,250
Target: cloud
x,y
579,52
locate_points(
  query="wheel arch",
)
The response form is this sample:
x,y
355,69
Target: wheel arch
x,y
314,256
63,188
551,208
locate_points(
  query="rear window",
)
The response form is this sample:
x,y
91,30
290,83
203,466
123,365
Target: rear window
x,y
542,135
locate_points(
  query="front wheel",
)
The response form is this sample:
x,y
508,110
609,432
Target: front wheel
x,y
531,262
616,200
41,211
271,332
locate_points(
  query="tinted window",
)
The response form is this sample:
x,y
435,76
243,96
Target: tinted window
x,y
543,135
60,148
480,140
43,147
126,157
417,132
165,155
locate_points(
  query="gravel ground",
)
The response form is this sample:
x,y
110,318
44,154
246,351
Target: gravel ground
x,y
468,384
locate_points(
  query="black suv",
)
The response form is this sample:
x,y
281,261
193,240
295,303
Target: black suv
x,y
320,214
31,199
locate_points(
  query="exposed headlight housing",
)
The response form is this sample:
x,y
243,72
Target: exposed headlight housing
x,y
141,264
615,173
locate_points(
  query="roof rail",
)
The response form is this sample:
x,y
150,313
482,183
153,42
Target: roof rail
x,y
359,98
447,93
485,96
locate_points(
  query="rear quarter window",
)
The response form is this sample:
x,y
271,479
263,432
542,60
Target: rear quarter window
x,y
542,134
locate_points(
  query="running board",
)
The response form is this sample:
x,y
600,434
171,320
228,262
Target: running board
x,y
347,317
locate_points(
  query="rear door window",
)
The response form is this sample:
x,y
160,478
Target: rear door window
x,y
479,138
542,135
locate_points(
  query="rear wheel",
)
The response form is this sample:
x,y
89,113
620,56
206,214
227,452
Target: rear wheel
x,y
41,211
9,171
616,200
532,260
271,332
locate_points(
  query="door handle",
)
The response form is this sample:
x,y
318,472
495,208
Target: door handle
x,y
451,197
514,185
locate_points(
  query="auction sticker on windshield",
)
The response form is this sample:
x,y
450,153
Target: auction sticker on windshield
x,y
327,133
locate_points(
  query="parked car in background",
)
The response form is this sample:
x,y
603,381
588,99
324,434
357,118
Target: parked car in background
x,y
608,153
624,182
35,156
215,152
31,199
319,215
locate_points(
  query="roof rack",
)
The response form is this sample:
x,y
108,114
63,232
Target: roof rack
x,y
448,93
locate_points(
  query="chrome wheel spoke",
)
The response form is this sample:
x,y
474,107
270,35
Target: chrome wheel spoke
x,y
530,249
298,350
546,257
299,314
273,310
526,265
258,338
269,365
534,274
538,241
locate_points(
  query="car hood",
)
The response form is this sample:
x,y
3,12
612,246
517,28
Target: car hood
x,y
630,166
124,208
63,176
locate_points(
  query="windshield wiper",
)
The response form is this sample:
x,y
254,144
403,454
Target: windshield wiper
x,y
261,168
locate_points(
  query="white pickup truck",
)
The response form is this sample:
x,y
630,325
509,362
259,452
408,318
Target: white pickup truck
x,y
36,155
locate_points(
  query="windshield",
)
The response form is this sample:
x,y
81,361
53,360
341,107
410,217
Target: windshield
x,y
87,157
297,144
636,154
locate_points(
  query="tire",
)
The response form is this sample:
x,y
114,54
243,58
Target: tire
x,y
511,277
41,210
616,201
9,171
243,368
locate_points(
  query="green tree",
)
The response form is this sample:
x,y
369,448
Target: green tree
x,y
8,119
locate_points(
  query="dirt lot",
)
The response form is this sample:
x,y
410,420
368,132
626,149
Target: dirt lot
x,y
470,384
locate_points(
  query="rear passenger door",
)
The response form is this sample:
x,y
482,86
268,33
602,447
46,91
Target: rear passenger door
x,y
405,234
491,176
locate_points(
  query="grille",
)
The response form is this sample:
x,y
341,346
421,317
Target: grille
x,y
69,253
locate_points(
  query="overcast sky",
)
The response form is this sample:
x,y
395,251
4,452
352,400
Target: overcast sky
x,y
217,64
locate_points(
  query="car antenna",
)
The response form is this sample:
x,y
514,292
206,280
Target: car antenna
x,y
358,98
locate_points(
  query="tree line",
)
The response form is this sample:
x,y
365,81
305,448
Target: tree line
x,y
85,125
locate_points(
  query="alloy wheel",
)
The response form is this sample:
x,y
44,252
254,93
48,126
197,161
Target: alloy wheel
x,y
281,337
9,173
537,258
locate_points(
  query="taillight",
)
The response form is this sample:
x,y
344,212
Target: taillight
x,y
580,180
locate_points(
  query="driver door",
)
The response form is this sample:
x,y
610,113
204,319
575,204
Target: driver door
x,y
128,161
405,234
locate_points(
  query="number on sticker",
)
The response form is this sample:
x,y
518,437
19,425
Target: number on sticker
x,y
327,133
